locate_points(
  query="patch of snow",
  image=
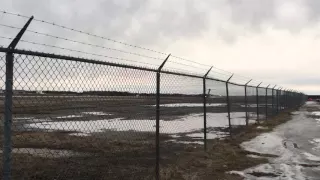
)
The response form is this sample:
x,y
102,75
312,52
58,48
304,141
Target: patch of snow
x,y
22,118
311,157
316,113
265,143
96,113
261,127
240,173
79,134
186,142
69,116
255,105
254,156
211,135
175,136
39,120
315,142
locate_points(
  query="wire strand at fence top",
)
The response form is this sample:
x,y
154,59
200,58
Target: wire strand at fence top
x,y
62,48
108,39
84,43
82,32
112,40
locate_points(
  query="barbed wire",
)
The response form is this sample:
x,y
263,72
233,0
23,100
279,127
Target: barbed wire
x,y
62,48
112,40
183,59
48,35
82,32
108,39
185,65
84,43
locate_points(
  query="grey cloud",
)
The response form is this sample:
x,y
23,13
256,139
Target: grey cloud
x,y
252,12
172,19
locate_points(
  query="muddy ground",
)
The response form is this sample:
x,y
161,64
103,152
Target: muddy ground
x,y
48,154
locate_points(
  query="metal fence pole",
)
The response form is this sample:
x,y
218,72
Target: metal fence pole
x,y
228,104
246,101
278,100
284,99
7,132
257,96
205,110
287,99
272,101
267,101
158,120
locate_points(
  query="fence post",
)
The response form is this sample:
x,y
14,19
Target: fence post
x,y
228,104
278,99
267,101
205,110
272,100
284,99
289,98
7,132
158,120
257,95
246,101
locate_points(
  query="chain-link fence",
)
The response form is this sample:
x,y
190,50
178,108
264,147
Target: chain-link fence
x,y
90,120
76,118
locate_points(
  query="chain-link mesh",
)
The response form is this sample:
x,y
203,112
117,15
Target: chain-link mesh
x,y
269,103
89,120
237,107
217,116
261,107
252,103
2,85
181,119
81,120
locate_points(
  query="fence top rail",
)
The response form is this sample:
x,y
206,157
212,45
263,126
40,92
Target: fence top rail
x,y
92,61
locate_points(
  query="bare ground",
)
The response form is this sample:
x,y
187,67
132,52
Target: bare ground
x,y
129,155
124,155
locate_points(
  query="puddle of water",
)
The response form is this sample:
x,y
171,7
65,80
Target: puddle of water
x,y
185,124
192,105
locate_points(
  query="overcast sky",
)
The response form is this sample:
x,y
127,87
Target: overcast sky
x,y
274,41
